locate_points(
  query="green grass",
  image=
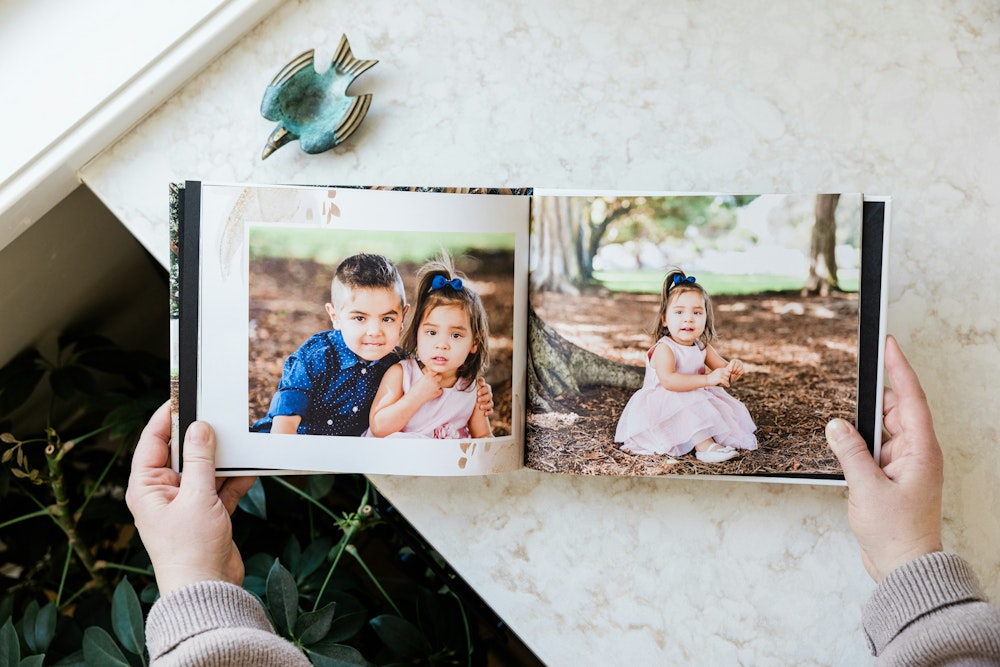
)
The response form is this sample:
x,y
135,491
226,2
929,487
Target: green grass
x,y
649,282
329,246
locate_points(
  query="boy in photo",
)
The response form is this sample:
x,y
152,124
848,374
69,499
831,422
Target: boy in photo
x,y
328,384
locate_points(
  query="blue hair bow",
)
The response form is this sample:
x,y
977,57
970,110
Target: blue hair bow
x,y
440,281
678,280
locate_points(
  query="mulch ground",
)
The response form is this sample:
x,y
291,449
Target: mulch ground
x,y
801,361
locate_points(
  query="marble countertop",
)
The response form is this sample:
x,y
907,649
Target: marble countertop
x,y
753,96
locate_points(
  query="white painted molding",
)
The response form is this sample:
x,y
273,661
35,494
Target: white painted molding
x,y
52,173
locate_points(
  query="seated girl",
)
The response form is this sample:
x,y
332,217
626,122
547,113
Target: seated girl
x,y
432,394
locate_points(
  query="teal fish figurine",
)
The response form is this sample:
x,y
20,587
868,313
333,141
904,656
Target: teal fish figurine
x,y
312,107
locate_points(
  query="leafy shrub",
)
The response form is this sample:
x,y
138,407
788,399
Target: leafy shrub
x,y
336,576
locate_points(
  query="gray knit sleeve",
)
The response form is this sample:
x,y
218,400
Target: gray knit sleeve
x,y
215,624
932,611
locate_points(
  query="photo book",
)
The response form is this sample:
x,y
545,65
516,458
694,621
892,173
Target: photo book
x,y
474,331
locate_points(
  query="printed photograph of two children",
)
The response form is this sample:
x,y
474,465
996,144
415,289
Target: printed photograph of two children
x,y
447,333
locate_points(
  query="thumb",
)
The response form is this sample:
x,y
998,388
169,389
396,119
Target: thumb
x,y
199,458
852,452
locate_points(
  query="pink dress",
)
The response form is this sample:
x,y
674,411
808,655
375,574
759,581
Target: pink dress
x,y
447,416
659,421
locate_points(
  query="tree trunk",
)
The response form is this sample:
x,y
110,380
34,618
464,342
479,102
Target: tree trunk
x,y
822,249
554,250
597,232
557,366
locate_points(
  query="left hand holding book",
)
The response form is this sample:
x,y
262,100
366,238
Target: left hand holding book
x,y
184,521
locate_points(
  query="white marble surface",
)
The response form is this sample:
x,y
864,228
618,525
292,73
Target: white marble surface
x,y
887,98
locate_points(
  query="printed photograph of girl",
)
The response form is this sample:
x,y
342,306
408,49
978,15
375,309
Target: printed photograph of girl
x,y
695,334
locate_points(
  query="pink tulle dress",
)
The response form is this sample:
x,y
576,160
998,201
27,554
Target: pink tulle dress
x,y
447,416
659,421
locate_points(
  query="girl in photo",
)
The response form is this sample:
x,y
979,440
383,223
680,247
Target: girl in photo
x,y
682,405
432,394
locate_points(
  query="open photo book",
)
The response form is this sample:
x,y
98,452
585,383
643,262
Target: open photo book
x,y
467,331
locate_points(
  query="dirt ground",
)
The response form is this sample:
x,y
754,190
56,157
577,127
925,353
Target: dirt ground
x,y
800,356
801,361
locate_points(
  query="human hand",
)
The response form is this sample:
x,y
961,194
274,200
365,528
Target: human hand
x,y
895,511
426,388
484,397
184,521
735,367
719,377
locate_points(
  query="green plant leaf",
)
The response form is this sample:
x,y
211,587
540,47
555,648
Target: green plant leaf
x,y
313,626
111,359
347,605
86,341
126,617
433,617
132,415
330,654
74,659
291,555
6,607
18,379
10,648
401,636
257,568
254,502
25,363
313,556
259,564
256,585
317,486
282,597
148,364
149,593
33,661
38,626
28,626
100,649
347,625
69,380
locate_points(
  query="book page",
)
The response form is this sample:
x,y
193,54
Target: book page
x,y
273,334
772,283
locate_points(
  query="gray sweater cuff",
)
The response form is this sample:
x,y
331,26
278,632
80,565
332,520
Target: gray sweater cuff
x,y
199,608
914,590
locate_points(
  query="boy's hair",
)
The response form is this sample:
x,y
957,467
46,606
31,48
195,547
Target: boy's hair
x,y
675,284
366,270
448,295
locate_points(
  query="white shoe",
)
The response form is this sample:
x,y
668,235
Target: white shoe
x,y
716,453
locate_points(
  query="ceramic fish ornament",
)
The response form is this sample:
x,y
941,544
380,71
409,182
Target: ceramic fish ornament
x,y
312,107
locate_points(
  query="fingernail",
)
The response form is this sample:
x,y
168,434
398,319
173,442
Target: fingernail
x,y
197,434
838,429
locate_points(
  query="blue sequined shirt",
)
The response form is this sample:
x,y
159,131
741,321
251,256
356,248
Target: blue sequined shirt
x,y
329,386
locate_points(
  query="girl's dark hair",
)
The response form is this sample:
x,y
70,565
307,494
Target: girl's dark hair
x,y
672,288
429,298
